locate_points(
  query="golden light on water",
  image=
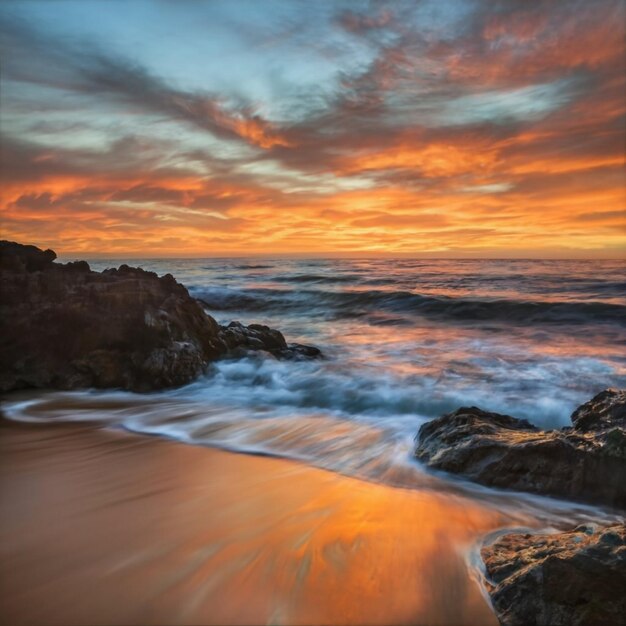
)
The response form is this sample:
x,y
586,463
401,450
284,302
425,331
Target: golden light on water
x,y
135,530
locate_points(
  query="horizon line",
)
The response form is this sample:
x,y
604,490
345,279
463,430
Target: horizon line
x,y
321,256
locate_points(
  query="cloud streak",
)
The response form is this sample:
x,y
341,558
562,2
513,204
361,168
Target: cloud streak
x,y
458,127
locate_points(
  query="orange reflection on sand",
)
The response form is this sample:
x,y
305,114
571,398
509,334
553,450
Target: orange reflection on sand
x,y
103,527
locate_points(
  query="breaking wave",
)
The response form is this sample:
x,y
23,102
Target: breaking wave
x,y
358,303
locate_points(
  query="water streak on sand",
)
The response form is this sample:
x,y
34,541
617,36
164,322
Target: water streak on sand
x,y
125,529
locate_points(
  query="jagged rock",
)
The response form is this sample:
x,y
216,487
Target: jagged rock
x,y
585,462
240,338
254,336
576,578
18,258
64,326
300,351
604,411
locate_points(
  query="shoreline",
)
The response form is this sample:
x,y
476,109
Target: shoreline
x,y
137,529
105,526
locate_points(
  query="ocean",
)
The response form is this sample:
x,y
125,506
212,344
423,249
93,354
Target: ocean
x,y
404,341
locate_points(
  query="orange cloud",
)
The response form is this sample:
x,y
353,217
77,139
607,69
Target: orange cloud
x,y
253,129
426,147
431,160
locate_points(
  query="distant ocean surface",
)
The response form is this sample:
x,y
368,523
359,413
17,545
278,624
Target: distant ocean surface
x,y
405,340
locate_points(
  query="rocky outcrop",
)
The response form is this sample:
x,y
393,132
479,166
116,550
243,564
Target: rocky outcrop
x,y
239,339
602,413
576,578
65,326
584,462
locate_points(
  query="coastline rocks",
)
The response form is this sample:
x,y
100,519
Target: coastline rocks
x,y
239,338
64,326
585,462
16,257
604,411
576,577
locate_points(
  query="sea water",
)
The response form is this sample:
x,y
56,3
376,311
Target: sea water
x,y
404,341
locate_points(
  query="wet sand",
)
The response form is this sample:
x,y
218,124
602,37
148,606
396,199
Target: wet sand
x,y
106,527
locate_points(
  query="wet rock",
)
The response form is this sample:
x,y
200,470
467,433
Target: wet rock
x,y
585,462
300,351
254,336
576,577
240,338
64,326
605,411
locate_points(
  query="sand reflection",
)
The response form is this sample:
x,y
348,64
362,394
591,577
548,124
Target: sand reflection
x,y
103,527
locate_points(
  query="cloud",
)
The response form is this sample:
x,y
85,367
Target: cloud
x,y
417,221
360,23
98,74
486,125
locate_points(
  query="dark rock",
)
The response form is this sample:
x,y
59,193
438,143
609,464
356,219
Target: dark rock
x,y
64,326
299,351
576,577
16,257
239,339
77,266
604,411
578,463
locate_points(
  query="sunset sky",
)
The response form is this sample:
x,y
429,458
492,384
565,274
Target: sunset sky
x,y
436,127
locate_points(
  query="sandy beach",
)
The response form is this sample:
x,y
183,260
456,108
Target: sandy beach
x,y
104,527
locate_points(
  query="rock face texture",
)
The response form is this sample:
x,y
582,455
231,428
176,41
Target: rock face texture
x,y
65,326
604,412
239,338
576,578
585,462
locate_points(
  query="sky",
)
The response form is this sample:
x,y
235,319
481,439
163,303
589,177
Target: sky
x,y
441,128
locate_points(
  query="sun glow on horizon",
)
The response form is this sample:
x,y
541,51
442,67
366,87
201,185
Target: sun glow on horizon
x,y
207,129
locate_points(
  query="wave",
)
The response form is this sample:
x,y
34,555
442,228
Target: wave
x,y
341,304
366,451
229,299
315,278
